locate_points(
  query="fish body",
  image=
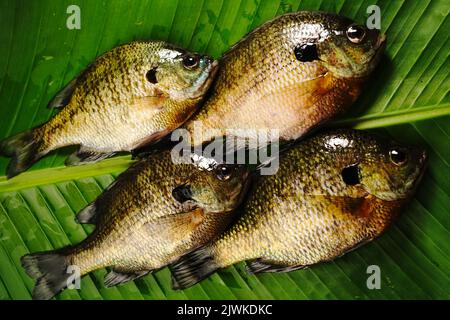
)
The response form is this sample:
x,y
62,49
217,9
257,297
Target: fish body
x,y
130,96
291,74
331,194
155,212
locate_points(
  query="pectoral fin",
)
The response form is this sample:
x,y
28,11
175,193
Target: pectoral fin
x,y
150,102
179,225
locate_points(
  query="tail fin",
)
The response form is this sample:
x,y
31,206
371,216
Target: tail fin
x,y
23,149
192,268
50,271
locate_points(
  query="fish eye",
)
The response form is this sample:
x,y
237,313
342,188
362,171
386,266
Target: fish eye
x,y
356,33
306,52
191,61
350,175
398,157
223,173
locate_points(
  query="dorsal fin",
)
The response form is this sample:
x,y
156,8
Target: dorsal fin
x,y
62,98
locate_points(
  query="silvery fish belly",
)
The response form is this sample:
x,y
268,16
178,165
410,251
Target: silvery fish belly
x,y
130,96
155,212
288,76
331,194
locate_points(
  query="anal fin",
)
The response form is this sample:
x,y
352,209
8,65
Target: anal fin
x,y
83,156
259,266
116,277
151,139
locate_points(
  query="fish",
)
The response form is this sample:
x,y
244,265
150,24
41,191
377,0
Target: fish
x,y
133,95
153,213
332,193
287,77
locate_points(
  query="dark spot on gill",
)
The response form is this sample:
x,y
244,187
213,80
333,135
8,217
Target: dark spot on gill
x,y
350,175
182,193
151,76
306,52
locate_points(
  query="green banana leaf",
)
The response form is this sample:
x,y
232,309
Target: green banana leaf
x,y
407,98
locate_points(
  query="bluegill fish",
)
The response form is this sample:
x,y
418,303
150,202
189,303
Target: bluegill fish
x,y
291,74
332,193
155,212
132,95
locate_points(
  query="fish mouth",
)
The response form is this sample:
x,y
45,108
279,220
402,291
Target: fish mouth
x,y
423,159
413,181
380,46
364,68
212,71
423,162
381,40
374,59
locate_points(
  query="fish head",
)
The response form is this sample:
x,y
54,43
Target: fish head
x,y
348,49
220,188
391,171
184,75
325,43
